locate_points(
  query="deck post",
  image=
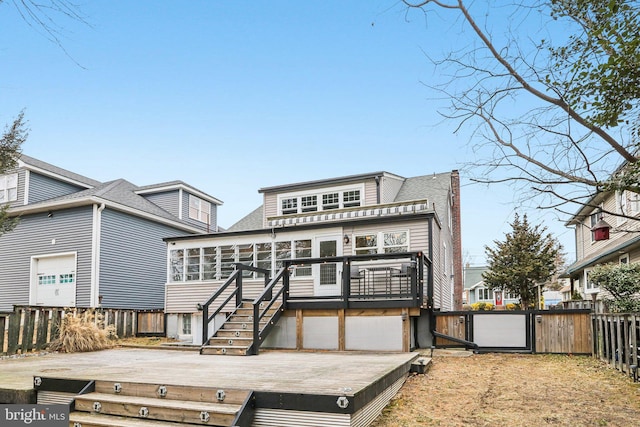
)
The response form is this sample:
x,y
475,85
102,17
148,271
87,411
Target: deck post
x,y
256,327
239,288
346,282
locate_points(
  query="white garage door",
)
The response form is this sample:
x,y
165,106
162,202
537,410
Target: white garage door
x,y
54,280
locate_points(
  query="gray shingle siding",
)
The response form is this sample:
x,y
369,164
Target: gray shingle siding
x,y
42,188
71,229
132,261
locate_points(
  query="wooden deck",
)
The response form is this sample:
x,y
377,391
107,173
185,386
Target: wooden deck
x,y
274,371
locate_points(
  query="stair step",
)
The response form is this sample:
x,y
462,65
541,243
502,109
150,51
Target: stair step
x,y
234,333
86,419
158,409
224,350
231,342
172,392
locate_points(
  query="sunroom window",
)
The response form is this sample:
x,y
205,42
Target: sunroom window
x,y
302,250
193,264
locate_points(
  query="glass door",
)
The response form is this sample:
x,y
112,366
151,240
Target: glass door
x,y
327,275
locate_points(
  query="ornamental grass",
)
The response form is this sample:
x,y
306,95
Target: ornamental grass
x,y
81,332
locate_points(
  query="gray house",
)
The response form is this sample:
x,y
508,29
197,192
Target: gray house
x,y
85,243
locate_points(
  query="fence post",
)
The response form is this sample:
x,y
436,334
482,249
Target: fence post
x,y
14,331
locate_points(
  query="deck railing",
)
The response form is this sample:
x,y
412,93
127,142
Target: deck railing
x,y
393,280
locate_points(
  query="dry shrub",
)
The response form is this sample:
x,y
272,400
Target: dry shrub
x,y
84,331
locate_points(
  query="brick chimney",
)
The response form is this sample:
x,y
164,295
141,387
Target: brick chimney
x,y
457,241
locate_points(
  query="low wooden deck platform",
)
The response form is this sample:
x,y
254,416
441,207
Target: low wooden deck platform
x,y
287,380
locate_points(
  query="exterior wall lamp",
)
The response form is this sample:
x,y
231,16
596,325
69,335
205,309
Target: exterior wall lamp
x,y
346,239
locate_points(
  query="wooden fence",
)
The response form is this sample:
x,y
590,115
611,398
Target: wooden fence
x,y
617,341
29,329
539,331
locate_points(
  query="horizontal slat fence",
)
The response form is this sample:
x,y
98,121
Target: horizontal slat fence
x,y
617,341
549,331
29,329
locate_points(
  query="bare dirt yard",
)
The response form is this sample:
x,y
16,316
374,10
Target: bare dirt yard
x,y
515,390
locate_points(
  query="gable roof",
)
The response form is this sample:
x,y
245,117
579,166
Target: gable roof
x,y
435,187
327,182
118,194
177,185
48,169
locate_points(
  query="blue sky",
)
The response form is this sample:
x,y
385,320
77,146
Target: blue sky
x,y
231,96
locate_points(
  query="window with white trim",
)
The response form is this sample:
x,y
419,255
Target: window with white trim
x,y
8,188
209,263
186,324
634,203
622,205
218,262
199,209
302,249
593,219
589,285
309,203
381,242
485,294
314,201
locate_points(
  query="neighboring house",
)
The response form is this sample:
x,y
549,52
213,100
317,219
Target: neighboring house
x,y
597,244
393,251
84,243
476,291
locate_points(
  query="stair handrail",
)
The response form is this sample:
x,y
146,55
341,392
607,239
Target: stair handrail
x,y
267,294
236,275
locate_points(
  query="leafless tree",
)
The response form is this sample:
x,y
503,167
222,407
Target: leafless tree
x,y
532,99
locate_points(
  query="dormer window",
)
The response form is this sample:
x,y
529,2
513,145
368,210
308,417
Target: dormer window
x,y
315,201
8,188
199,209
330,201
351,198
289,206
309,203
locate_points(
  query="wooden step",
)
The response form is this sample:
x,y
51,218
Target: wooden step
x,y
215,414
86,419
230,342
224,350
234,333
173,392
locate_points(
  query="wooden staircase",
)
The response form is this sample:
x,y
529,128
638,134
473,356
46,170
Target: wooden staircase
x,y
235,336
149,405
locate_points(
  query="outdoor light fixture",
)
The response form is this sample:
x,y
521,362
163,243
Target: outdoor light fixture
x,y
50,214
346,239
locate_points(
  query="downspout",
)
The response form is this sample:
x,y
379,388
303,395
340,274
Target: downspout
x,y
95,255
377,178
430,305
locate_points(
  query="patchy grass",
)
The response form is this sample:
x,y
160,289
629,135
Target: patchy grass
x,y
515,390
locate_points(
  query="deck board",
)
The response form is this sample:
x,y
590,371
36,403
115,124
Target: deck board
x,y
276,371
